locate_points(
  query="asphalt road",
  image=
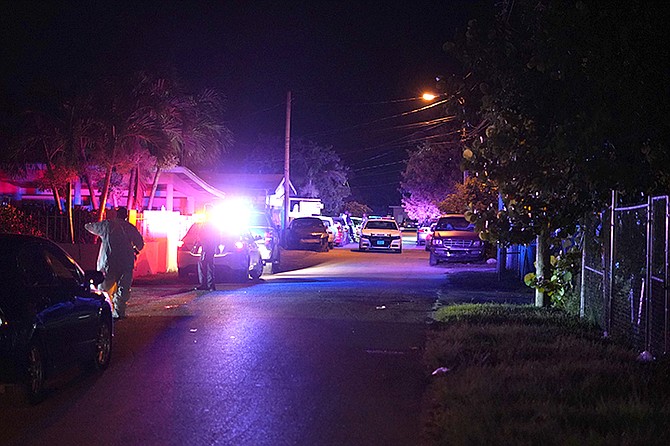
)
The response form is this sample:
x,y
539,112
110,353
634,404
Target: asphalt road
x,y
326,353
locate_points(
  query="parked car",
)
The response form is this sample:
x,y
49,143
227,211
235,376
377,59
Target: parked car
x,y
455,239
51,317
237,256
343,237
429,236
267,239
380,234
307,232
330,228
355,231
423,231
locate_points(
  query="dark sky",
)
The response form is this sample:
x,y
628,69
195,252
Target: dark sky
x,y
346,63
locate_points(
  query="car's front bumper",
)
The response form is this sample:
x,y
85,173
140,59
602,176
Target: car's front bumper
x,y
453,254
380,243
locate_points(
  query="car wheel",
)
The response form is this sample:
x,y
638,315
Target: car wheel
x,y
432,260
35,378
257,272
276,267
103,346
399,251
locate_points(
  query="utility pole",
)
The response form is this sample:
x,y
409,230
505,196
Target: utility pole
x,y
287,161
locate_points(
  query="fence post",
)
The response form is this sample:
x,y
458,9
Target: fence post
x,y
646,354
608,277
583,271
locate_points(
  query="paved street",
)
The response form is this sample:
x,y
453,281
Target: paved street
x,y
326,352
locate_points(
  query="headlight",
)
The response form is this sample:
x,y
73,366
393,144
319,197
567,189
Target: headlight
x,y
477,243
436,241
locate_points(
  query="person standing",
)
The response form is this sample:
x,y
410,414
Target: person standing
x,y
209,240
121,242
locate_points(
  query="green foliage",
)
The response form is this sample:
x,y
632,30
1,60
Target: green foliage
x,y
558,284
15,221
471,195
555,129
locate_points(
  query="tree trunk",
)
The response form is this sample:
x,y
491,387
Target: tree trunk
x,y
541,267
130,202
105,192
139,196
154,188
70,216
91,190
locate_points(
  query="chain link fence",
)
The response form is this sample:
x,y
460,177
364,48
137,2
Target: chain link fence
x,y
625,273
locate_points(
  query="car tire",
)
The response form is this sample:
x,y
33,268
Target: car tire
x,y
35,373
103,347
399,251
432,260
257,271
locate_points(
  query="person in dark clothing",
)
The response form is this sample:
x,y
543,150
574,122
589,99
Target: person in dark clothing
x,y
209,242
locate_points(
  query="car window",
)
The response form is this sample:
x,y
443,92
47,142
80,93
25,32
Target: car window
x,y
33,268
381,224
62,266
307,223
454,224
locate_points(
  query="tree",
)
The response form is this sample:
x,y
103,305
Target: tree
x,y
470,196
357,209
129,126
557,104
316,171
432,172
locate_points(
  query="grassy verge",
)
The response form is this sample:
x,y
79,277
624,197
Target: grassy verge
x,y
524,375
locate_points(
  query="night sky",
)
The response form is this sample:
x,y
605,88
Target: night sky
x,y
347,64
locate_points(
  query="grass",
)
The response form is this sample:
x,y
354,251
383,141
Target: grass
x,y
524,375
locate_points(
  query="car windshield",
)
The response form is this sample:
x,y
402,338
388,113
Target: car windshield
x,y
381,224
454,224
301,223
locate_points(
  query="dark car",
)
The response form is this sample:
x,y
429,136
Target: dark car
x,y
306,232
455,239
237,256
50,317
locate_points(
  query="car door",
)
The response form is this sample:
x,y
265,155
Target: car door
x,y
51,310
84,308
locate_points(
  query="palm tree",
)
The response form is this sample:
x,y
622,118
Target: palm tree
x,y
193,127
59,139
129,126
